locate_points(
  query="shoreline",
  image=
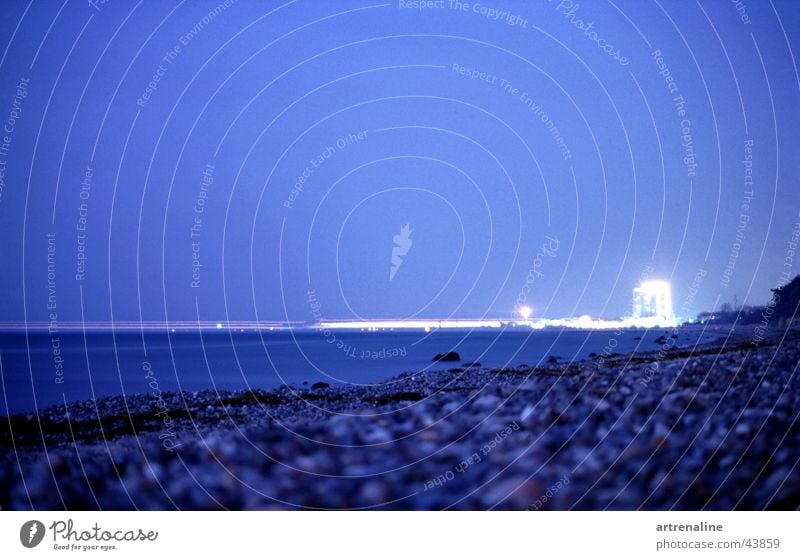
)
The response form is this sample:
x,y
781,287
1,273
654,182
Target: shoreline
x,y
188,404
56,406
557,419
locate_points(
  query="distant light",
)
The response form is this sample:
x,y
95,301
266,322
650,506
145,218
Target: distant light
x,y
525,311
219,325
653,299
427,329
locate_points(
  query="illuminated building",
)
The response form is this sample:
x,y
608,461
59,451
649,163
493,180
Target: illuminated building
x,y
652,299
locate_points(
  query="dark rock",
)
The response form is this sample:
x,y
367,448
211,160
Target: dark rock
x,y
449,357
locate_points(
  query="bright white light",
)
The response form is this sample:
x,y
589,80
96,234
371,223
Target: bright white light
x,y
525,311
652,299
219,325
413,324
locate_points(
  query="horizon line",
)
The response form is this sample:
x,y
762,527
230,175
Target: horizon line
x,y
583,321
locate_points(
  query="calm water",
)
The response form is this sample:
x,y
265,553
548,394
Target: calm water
x,y
106,363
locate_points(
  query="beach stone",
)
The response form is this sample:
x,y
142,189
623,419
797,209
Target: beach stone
x,y
526,412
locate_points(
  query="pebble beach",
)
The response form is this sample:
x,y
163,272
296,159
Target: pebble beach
x,y
711,427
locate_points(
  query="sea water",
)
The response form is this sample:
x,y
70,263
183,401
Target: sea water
x,y
38,371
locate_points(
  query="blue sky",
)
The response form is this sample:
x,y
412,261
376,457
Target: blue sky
x,y
488,129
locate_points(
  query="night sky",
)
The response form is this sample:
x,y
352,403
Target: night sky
x,y
240,161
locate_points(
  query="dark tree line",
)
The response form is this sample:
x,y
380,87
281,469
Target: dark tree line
x,y
783,303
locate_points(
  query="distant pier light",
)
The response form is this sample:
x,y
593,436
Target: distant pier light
x,y
525,311
652,299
